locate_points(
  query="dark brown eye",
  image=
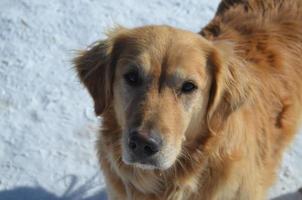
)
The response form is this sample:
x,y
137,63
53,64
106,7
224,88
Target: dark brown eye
x,y
188,87
132,78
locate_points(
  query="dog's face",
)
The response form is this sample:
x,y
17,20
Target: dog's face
x,y
160,87
157,79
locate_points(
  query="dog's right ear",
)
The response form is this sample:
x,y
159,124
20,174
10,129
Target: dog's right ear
x,y
96,71
231,85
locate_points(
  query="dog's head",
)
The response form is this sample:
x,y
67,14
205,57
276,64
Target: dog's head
x,y
166,86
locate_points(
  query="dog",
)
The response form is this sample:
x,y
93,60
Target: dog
x,y
198,116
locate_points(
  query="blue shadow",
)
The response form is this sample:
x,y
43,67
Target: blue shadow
x,y
39,193
291,196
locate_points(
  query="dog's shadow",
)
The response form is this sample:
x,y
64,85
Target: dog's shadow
x,y
40,193
291,196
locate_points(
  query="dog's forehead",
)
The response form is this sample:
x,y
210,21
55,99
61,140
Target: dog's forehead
x,y
185,58
161,47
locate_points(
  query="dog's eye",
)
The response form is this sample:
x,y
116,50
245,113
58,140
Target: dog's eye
x,y
188,87
132,78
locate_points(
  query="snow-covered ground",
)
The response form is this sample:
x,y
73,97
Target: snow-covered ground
x,y
47,125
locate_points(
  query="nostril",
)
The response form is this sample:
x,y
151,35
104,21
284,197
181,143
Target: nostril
x,y
132,145
149,150
133,142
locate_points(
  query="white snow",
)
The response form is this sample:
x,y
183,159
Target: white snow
x,y
47,125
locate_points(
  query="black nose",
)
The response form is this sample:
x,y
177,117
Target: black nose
x,y
143,145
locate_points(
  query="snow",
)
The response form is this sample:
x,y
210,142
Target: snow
x,y
47,125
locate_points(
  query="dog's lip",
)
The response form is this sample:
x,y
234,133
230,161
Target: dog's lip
x,y
143,164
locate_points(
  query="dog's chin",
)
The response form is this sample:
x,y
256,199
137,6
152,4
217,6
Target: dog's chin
x,y
144,166
147,166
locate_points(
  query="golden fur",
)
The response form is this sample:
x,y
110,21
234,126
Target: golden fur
x,y
228,136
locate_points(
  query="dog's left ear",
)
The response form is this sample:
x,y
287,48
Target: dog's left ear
x,y
95,68
229,87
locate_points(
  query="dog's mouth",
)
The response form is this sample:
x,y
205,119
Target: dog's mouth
x,y
159,161
142,163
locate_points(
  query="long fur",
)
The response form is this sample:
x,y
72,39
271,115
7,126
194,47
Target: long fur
x,y
253,113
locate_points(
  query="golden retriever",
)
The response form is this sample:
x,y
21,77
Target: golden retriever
x,y
204,116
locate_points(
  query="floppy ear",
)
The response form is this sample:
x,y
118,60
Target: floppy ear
x,y
230,85
93,68
96,68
